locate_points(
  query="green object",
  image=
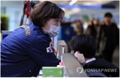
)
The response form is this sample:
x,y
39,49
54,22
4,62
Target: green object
x,y
52,72
4,22
86,18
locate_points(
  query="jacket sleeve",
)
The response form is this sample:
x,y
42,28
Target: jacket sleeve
x,y
116,34
38,52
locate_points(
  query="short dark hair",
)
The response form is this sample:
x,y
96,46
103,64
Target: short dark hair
x,y
108,14
44,11
85,44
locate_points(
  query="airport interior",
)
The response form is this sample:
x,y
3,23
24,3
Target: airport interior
x,y
81,17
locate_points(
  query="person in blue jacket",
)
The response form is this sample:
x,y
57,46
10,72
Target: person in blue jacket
x,y
27,49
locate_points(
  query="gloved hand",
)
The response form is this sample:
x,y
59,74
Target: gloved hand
x,y
79,56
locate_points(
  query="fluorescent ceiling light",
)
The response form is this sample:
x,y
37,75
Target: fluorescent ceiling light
x,y
95,2
72,2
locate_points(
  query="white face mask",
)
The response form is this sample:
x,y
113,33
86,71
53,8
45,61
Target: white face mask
x,y
53,31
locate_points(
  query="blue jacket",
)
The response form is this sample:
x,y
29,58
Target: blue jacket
x,y
23,52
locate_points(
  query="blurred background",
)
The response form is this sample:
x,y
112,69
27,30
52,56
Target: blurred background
x,y
78,16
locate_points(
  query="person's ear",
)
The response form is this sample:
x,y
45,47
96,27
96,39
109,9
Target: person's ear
x,y
44,21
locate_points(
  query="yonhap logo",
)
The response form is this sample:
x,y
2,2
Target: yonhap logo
x,y
79,70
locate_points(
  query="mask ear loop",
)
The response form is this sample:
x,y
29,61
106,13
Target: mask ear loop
x,y
48,23
45,21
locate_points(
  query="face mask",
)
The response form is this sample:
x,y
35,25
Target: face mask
x,y
53,31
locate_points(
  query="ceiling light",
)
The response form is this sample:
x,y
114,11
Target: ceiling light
x,y
72,2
